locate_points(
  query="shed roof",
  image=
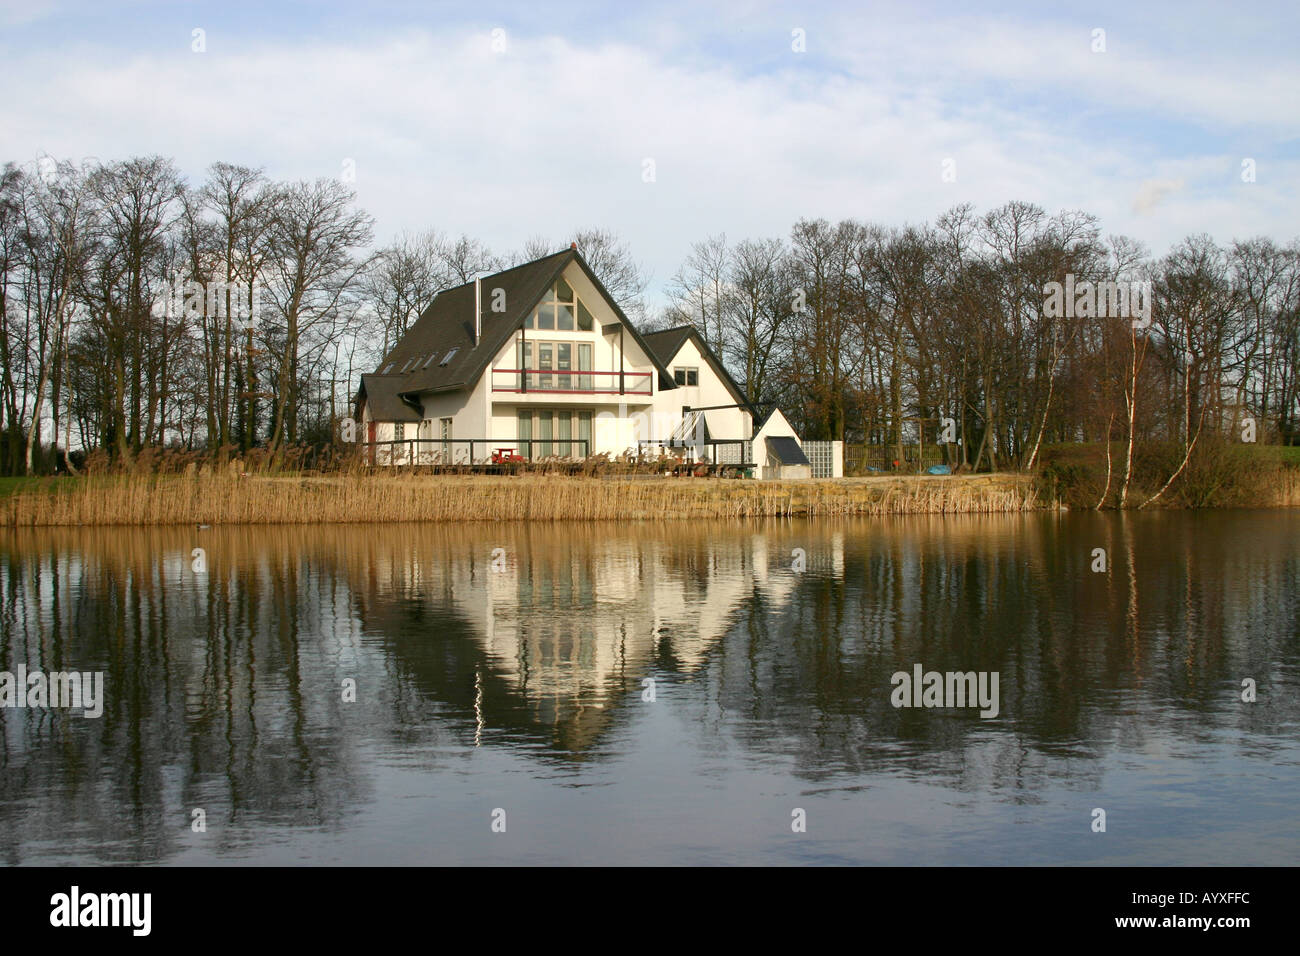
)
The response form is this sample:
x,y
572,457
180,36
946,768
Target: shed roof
x,y
787,451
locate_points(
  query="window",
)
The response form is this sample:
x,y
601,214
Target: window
x,y
584,365
584,434
559,431
545,423
399,431
545,362
561,310
445,434
409,362
387,368
526,433
686,376
564,362
448,357
429,360
556,357
564,431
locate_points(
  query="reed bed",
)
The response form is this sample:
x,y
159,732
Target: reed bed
x,y
1286,489
225,498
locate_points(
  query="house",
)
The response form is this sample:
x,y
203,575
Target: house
x,y
539,362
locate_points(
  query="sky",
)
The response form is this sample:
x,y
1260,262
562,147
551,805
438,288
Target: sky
x,y
670,122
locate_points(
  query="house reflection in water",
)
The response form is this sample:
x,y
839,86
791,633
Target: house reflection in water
x,y
554,633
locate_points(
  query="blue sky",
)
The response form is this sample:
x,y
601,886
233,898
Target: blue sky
x,y
746,134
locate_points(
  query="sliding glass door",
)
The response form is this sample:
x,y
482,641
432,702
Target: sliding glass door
x,y
555,431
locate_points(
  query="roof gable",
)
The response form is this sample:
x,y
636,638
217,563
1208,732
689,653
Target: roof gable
x,y
666,343
446,327
420,362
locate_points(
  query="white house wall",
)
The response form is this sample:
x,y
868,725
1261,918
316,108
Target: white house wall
x,y
712,390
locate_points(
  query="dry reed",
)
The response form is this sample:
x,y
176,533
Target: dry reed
x,y
228,498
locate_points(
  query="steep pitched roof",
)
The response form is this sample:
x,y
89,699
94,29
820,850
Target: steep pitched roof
x,y
448,324
386,404
420,362
668,342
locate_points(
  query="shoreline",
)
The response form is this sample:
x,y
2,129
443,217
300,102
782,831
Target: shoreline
x,y
227,498
130,501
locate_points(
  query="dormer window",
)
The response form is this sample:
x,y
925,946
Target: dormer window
x,y
561,310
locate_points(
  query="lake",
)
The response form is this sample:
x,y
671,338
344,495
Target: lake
x,y
674,693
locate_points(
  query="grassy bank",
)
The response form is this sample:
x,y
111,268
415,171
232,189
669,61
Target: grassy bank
x,y
1219,475
220,499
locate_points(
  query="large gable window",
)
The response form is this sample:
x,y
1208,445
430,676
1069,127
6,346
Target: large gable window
x,y
561,310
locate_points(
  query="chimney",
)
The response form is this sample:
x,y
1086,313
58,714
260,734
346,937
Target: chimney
x,y
573,246
478,310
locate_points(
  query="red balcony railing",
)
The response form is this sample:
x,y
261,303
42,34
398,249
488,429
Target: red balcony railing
x,y
571,382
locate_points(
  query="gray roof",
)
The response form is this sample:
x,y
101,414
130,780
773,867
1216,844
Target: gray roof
x,y
415,364
787,451
386,404
666,343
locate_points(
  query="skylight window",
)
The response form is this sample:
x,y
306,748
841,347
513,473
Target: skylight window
x,y
448,357
429,360
387,368
408,363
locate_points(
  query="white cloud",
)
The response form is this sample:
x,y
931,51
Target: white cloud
x,y
551,135
1153,191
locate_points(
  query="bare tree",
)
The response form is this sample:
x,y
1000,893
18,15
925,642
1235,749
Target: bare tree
x,y
611,260
465,258
315,234
403,279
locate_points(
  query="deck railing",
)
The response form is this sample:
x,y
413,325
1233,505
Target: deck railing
x,y
713,451
414,452
571,382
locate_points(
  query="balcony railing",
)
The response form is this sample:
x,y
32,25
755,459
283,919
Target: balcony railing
x,y
571,382
713,451
473,451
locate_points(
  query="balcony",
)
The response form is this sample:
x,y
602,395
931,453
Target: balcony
x,y
569,382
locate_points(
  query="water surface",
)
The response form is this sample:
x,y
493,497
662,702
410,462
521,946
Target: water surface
x,y
507,667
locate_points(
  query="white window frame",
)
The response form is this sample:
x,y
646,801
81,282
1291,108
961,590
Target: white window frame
x,y
553,299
